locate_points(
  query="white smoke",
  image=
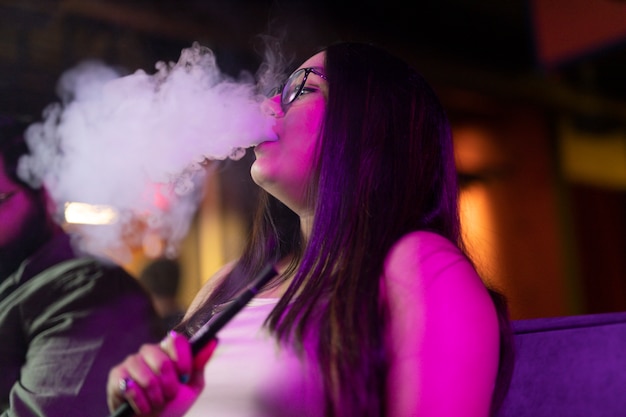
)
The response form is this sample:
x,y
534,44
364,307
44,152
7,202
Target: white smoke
x,y
140,142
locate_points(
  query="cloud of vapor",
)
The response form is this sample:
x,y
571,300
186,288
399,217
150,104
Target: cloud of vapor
x,y
140,143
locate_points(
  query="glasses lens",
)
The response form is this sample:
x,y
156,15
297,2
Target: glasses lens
x,y
293,86
275,91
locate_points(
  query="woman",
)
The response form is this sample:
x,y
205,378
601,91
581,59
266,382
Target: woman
x,y
376,310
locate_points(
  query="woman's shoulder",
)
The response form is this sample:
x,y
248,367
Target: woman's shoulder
x,y
423,241
421,257
443,328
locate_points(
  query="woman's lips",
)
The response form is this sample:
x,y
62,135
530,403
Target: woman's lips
x,y
265,143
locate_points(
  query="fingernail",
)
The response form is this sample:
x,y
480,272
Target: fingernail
x,y
166,340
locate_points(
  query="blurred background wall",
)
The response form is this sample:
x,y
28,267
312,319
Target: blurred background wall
x,y
536,92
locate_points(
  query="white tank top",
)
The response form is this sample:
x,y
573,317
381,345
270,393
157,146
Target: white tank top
x,y
249,375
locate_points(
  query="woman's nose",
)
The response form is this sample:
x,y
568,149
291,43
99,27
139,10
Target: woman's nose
x,y
271,106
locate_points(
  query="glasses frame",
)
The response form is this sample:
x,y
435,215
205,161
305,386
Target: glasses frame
x,y
285,102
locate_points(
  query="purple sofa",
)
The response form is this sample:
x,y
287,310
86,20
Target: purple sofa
x,y
571,366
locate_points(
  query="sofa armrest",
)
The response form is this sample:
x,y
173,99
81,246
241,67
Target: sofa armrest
x,y
568,366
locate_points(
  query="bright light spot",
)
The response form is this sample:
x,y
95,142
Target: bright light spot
x,y
83,213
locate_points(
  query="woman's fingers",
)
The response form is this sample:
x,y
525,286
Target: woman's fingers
x,y
146,380
162,382
163,377
196,381
153,373
123,389
179,349
190,368
116,387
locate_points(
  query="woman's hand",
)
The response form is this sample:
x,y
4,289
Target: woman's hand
x,y
161,379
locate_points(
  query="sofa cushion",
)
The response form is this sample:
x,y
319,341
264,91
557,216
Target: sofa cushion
x,y
569,366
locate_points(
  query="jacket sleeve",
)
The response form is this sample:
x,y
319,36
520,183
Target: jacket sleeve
x,y
78,324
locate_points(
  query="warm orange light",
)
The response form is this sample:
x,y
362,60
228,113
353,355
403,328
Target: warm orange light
x,y
479,232
478,155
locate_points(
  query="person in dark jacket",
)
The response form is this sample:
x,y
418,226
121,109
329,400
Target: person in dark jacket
x,y
65,318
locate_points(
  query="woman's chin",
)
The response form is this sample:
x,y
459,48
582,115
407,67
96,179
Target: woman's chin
x,y
258,173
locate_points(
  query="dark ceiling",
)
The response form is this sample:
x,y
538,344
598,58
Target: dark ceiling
x,y
486,46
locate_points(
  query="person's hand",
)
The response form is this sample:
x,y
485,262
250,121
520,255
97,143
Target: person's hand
x,y
161,379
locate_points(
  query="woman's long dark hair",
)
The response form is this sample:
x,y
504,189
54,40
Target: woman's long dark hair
x,y
385,168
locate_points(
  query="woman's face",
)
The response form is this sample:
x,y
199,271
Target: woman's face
x,y
284,167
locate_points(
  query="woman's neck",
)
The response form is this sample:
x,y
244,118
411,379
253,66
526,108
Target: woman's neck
x,y
306,225
286,272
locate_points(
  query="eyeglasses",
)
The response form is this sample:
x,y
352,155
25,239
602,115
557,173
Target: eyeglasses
x,y
294,86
